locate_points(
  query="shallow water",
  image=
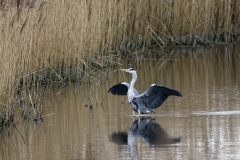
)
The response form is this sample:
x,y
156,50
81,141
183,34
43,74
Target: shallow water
x,y
87,122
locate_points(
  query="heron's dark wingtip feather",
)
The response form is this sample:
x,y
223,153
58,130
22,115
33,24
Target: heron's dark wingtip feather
x,y
169,91
179,94
173,92
119,89
111,89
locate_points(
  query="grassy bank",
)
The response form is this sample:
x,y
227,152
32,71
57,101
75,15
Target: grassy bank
x,y
44,41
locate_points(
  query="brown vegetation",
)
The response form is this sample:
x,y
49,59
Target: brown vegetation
x,y
38,36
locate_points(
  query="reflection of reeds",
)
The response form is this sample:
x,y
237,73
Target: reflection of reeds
x,y
39,35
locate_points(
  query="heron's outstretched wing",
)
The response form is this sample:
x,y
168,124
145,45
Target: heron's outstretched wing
x,y
121,89
155,96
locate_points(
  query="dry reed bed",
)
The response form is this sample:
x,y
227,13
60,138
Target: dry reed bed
x,y
42,39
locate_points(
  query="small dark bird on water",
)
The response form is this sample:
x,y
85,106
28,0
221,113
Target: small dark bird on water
x,y
146,102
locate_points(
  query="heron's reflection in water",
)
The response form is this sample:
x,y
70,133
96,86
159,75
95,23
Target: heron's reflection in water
x,y
147,130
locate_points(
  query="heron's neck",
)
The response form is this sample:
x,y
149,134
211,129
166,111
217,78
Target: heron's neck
x,y
134,78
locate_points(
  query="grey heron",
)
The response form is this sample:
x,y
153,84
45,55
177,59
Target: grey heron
x,y
146,102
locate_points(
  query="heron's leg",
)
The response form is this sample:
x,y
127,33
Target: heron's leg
x,y
133,116
139,113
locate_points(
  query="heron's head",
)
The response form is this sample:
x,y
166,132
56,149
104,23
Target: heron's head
x,y
130,70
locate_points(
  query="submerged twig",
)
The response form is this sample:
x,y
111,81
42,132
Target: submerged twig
x,y
48,115
19,133
32,103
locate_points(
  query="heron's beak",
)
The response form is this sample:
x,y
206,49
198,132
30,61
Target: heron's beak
x,y
124,70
